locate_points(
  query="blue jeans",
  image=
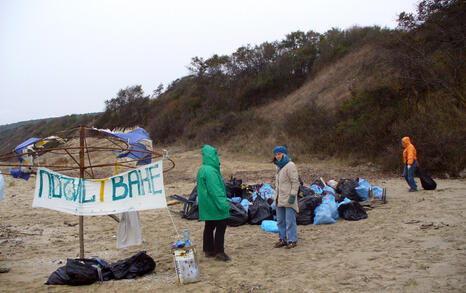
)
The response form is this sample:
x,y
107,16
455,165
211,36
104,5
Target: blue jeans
x,y
286,222
409,175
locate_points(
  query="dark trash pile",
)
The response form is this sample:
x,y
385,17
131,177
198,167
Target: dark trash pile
x,y
318,204
86,271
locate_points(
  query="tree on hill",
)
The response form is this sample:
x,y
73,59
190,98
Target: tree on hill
x,y
129,108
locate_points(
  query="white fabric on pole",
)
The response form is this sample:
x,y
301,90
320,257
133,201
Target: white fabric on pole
x,y
129,230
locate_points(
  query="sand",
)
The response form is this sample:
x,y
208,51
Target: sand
x,y
416,242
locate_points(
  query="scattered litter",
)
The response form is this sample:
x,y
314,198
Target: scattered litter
x,y
70,224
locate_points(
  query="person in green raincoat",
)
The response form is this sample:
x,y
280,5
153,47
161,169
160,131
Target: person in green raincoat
x,y
214,208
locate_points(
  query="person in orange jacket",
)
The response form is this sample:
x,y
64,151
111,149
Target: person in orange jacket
x,y
410,161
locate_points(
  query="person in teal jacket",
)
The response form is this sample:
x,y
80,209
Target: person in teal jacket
x,y
214,208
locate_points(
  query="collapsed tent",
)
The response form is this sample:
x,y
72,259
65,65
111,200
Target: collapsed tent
x,y
28,152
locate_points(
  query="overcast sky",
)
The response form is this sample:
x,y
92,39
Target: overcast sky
x,y
67,57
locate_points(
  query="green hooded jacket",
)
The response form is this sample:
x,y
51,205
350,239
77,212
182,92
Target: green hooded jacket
x,y
212,197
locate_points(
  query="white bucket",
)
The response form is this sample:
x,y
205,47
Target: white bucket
x,y
186,265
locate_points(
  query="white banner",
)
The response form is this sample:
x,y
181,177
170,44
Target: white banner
x,y
135,190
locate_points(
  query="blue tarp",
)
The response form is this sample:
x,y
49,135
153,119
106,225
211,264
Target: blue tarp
x,y
132,138
24,144
19,174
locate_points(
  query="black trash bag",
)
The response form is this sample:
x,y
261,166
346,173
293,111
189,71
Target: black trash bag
x,y
238,216
137,265
59,277
352,211
304,191
307,205
259,210
319,183
81,271
193,195
247,192
426,181
233,188
347,188
191,208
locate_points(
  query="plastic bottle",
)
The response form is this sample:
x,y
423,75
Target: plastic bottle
x,y
187,242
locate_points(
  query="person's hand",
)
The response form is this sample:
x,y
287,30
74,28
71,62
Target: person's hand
x,y
409,166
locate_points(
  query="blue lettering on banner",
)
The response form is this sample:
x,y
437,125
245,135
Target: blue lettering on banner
x,y
147,180
69,189
153,176
116,185
41,182
84,200
133,182
56,184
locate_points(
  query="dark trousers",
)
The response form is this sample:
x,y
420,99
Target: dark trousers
x,y
216,244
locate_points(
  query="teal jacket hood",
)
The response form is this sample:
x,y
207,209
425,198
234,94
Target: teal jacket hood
x,y
210,157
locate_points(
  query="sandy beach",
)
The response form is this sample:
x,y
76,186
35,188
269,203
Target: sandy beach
x,y
416,242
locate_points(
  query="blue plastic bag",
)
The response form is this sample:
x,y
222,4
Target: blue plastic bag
x,y
2,186
269,226
377,192
327,211
363,189
316,188
245,203
346,200
266,192
329,190
236,199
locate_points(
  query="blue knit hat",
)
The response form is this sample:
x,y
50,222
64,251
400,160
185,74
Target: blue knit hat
x,y
280,149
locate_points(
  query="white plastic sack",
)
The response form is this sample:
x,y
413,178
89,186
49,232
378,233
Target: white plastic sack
x,y
186,265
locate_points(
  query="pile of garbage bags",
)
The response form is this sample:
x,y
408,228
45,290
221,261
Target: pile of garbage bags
x,y
320,203
85,271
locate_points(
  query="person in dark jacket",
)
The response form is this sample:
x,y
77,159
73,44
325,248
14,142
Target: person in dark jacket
x,y
410,161
214,208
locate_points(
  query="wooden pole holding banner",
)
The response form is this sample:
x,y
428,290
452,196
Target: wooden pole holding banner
x,y
81,175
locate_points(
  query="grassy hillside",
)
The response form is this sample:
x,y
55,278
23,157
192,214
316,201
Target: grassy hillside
x,y
352,94
13,134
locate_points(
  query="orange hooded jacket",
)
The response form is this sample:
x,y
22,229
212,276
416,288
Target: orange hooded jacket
x,y
409,154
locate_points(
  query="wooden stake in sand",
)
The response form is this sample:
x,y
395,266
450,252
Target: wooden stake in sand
x,y
81,174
